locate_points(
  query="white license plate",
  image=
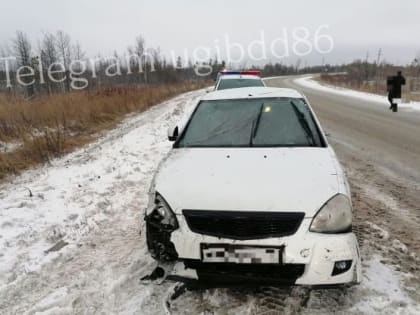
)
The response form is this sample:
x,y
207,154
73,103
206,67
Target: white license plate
x,y
239,254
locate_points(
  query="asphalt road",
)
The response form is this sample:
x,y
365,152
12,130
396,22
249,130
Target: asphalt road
x,y
389,140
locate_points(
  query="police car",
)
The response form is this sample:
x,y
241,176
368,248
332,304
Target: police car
x,y
252,191
237,79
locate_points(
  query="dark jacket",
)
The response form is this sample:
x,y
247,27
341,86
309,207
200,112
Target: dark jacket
x,y
394,85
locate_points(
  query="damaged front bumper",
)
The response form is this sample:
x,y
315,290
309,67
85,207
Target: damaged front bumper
x,y
307,258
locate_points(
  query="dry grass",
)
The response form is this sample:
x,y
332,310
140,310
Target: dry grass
x,y
50,126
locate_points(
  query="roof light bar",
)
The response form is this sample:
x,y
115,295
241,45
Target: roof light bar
x,y
252,72
244,72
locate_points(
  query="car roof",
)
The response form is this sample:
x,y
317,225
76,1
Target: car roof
x,y
251,92
239,76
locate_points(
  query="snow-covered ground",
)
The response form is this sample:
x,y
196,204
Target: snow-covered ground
x,y
6,147
309,82
70,239
80,193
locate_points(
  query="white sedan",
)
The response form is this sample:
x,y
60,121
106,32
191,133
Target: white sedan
x,y
252,191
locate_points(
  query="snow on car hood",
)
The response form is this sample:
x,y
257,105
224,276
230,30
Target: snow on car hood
x,y
264,179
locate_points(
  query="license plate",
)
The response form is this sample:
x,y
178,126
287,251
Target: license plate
x,y
240,254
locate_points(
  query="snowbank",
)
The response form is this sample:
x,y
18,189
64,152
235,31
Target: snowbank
x,y
6,147
308,82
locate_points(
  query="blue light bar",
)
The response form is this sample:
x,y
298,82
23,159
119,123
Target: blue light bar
x,y
229,72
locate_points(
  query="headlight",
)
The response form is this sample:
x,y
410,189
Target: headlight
x,y
162,215
334,217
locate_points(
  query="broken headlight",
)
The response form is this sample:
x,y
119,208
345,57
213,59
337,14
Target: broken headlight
x,y
334,217
162,215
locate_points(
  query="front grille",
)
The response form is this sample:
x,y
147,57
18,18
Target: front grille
x,y
229,273
243,225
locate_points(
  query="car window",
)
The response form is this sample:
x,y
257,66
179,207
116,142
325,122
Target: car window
x,y
238,83
251,122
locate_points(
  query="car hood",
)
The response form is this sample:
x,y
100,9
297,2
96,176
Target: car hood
x,y
256,179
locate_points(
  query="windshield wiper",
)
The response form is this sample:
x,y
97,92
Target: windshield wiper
x,y
255,124
303,123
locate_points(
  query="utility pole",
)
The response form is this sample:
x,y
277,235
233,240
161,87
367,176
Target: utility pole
x,y
378,60
366,66
416,65
298,62
323,68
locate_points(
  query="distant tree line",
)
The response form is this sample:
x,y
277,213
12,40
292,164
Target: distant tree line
x,y
274,69
372,75
57,64
369,75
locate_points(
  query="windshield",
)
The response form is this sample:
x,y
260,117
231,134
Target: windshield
x,y
238,83
265,122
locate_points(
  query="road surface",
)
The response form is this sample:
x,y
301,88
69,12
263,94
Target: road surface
x,y
380,150
388,140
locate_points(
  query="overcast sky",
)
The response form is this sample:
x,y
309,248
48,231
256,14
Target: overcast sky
x,y
104,26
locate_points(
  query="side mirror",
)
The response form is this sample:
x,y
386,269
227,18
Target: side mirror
x,y
173,133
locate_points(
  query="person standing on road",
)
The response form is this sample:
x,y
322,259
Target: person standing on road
x,y
394,90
